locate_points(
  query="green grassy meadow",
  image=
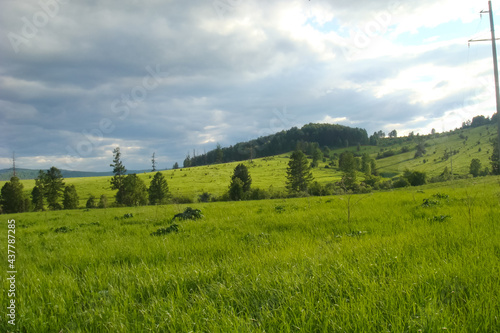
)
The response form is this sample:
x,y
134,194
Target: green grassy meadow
x,y
288,265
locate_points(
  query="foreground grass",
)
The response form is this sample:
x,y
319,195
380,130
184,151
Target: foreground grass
x,y
276,266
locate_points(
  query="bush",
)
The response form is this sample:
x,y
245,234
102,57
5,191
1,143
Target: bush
x,y
258,194
166,231
189,214
415,178
103,201
91,202
401,182
386,185
182,200
204,197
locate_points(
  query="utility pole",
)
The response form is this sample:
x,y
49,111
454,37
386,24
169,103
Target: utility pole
x,y
451,162
153,161
495,65
14,162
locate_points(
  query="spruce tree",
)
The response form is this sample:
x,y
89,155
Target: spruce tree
x,y
298,172
12,198
158,189
70,198
133,191
53,187
241,172
119,175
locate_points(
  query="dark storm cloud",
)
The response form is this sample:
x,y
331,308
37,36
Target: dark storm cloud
x,y
172,76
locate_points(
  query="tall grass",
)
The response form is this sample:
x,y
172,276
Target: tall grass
x,y
292,265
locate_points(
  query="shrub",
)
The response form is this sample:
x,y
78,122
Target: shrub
x,y
204,197
401,182
91,202
258,194
182,200
189,214
415,178
166,231
103,201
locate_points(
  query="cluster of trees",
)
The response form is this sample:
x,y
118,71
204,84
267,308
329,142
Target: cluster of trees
x,y
49,190
480,121
132,191
323,134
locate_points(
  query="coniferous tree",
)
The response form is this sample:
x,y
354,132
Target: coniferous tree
x,y
236,189
298,172
133,191
119,175
219,155
475,167
241,172
348,164
70,199
240,182
53,186
38,192
37,198
317,156
12,198
158,189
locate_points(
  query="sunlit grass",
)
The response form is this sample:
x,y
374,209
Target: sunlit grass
x,y
275,265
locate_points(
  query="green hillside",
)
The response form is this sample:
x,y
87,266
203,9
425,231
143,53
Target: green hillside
x,y
468,143
269,173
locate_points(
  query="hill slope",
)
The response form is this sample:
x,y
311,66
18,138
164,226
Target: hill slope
x,y
269,173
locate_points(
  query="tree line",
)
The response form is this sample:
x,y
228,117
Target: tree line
x,y
52,193
335,136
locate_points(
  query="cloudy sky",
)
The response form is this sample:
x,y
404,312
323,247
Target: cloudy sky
x,y
78,78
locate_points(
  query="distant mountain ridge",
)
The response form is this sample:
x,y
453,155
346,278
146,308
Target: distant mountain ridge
x,y
6,174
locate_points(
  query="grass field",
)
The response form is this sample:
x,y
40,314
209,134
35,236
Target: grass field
x,y
293,265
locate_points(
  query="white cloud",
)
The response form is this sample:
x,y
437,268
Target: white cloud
x,y
228,74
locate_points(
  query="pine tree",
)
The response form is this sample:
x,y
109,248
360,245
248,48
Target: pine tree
x,y
70,198
119,175
158,189
475,167
38,192
298,172
133,191
236,189
317,155
219,154
53,186
12,198
240,182
241,172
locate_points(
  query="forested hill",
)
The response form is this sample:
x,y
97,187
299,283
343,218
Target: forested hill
x,y
6,174
334,136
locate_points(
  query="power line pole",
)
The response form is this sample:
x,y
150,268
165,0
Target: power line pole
x,y
14,162
495,65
